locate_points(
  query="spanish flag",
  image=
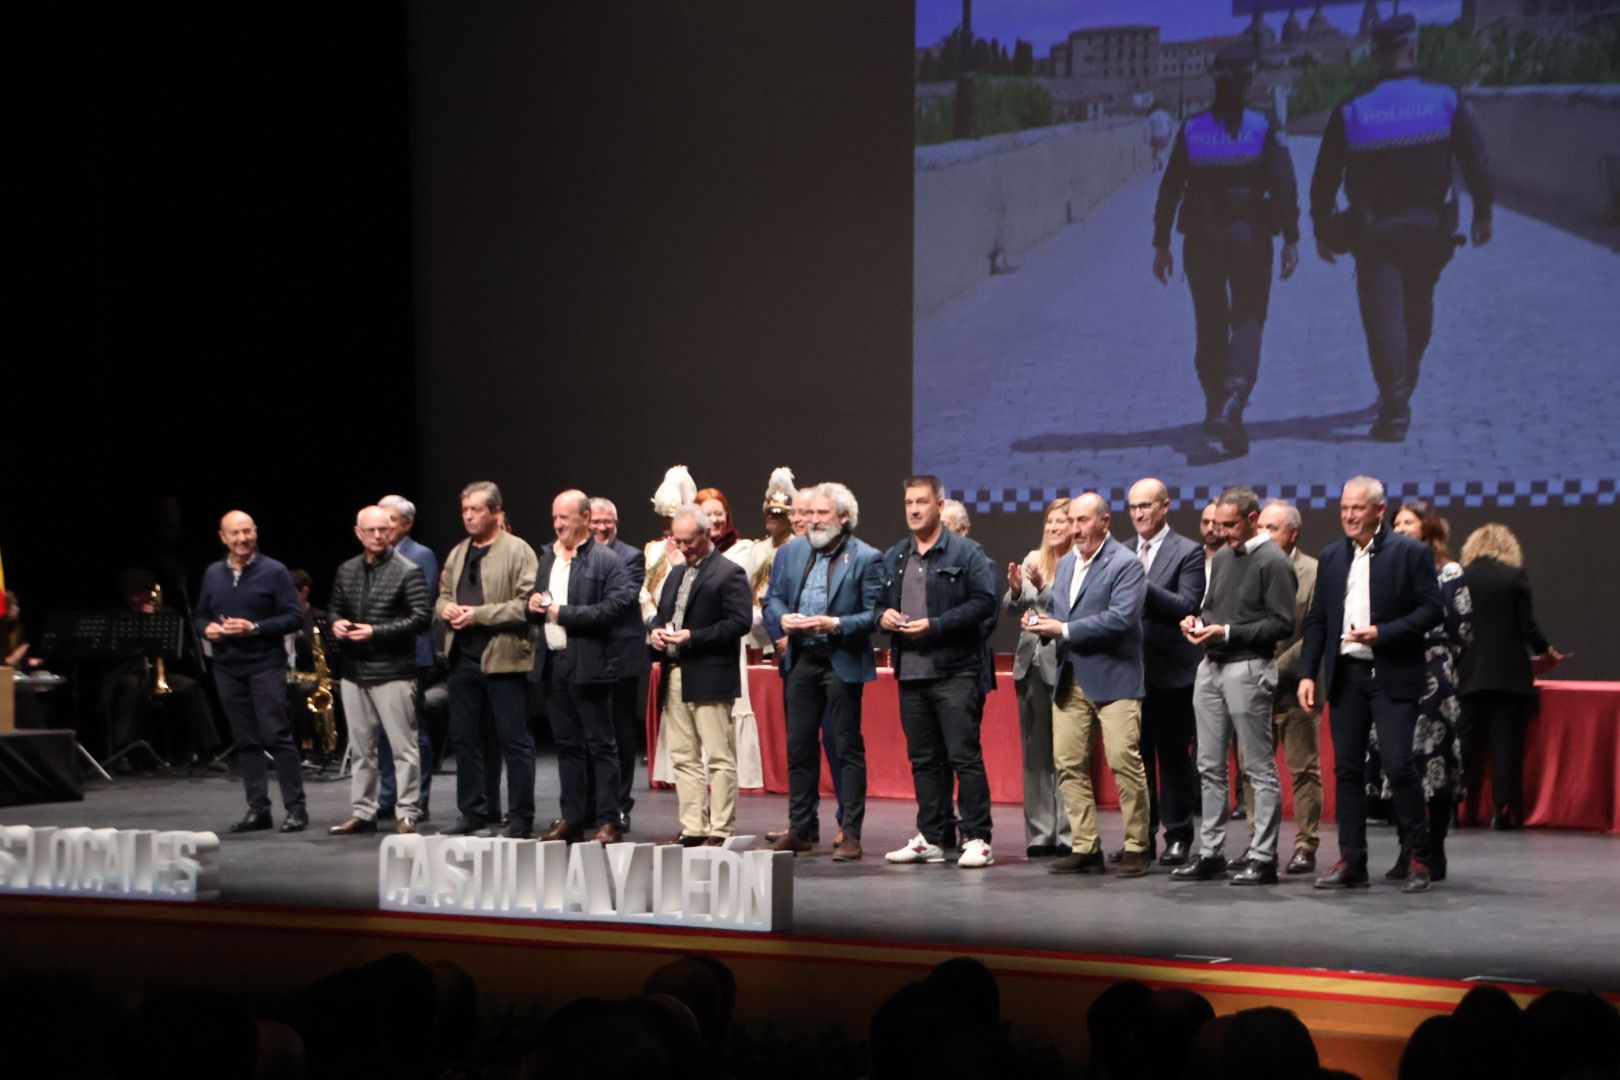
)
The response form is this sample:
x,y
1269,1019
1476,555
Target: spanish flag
x,y
2,586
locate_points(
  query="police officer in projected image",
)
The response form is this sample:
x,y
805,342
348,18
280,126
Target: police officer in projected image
x,y
1392,149
1233,180
823,602
380,603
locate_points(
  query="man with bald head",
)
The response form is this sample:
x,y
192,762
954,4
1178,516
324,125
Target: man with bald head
x,y
246,605
379,605
582,592
1174,566
1095,614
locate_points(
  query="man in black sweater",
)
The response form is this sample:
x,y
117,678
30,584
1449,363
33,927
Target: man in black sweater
x,y
1248,609
246,606
379,604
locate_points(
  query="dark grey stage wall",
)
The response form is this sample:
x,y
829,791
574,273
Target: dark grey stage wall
x,y
658,234
211,305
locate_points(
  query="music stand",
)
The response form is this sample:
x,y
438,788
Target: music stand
x,y
113,634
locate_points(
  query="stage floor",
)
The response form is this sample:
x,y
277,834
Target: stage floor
x,y
1533,907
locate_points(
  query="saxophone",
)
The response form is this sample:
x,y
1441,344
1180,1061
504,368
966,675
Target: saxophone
x,y
319,702
160,679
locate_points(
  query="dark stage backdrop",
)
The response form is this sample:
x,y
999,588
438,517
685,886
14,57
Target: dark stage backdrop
x,y
659,234
215,262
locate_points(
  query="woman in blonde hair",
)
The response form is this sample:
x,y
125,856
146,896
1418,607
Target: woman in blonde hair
x,y
1498,687
1029,588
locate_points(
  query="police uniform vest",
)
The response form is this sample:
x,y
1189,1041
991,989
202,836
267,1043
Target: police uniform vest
x,y
1398,143
1225,183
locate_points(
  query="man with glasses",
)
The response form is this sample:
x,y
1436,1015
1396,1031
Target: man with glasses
x,y
379,604
1247,611
704,609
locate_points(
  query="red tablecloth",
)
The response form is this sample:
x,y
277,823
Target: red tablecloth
x,y
1572,750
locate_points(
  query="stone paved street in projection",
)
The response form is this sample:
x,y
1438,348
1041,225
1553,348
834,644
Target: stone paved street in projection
x,y
1076,371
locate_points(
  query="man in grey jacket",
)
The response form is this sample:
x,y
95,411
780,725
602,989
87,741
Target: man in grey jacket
x,y
379,604
1248,610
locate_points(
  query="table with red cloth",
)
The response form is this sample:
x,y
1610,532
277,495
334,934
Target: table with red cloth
x,y
1572,749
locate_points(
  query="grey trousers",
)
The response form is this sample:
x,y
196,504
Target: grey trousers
x,y
1046,822
390,707
1237,696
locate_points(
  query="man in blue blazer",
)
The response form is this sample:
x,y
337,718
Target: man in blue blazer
x,y
1376,596
630,643
824,594
1096,615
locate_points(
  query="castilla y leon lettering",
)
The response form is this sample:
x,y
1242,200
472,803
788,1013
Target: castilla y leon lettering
x,y
645,883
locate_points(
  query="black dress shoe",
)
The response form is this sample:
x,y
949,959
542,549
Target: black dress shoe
x,y
1239,814
296,821
1040,851
253,822
1344,876
1303,862
467,826
1204,868
1175,854
1256,872
353,827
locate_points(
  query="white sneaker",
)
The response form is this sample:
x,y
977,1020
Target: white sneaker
x,y
919,850
975,855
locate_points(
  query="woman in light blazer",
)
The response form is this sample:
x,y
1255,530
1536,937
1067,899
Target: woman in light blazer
x,y
1029,588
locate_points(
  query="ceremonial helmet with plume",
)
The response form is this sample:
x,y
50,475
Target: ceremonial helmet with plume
x,y
779,491
676,491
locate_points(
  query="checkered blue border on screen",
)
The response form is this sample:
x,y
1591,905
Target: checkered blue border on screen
x,y
1561,492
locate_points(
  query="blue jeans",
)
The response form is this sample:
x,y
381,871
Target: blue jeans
x,y
479,701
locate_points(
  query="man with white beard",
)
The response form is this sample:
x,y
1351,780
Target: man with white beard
x,y
823,599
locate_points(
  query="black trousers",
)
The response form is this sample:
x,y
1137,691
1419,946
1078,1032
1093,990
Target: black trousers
x,y
629,727
587,750
1169,730
480,705
255,705
1359,702
1493,723
942,738
1230,278
822,709
1395,286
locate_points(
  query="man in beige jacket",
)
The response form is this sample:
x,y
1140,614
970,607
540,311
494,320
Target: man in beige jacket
x,y
483,598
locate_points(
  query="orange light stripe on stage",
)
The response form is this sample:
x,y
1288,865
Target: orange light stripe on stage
x,y
397,929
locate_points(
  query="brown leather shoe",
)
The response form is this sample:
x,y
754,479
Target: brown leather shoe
x,y
1133,863
355,826
405,827
789,842
848,849
561,830
1303,862
608,833
776,834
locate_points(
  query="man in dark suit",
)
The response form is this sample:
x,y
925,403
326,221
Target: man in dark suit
x,y
581,593
630,648
823,599
1376,596
704,609
1096,616
1175,588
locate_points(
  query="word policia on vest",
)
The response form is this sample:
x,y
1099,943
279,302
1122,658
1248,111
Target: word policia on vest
x,y
648,884
144,863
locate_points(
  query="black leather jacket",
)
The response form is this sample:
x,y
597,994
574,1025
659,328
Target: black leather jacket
x,y
396,604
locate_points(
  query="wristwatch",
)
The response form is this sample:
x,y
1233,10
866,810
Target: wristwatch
x,y
255,628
